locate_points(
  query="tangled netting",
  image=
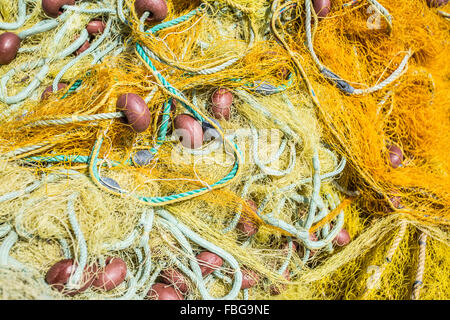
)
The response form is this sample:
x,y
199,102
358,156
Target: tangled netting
x,y
229,149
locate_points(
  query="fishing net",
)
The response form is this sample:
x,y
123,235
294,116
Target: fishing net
x,y
297,189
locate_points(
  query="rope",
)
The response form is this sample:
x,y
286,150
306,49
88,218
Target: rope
x,y
444,14
89,11
32,149
4,229
43,26
265,169
417,285
6,246
387,16
21,18
34,84
47,25
16,194
92,47
76,118
339,82
75,279
394,76
180,231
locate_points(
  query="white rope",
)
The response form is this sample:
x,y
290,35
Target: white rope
x,y
75,118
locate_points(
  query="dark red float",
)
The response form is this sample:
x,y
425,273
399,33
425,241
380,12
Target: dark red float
x,y
58,276
53,9
157,8
161,291
209,262
395,156
112,275
322,7
189,130
176,278
249,278
95,27
221,99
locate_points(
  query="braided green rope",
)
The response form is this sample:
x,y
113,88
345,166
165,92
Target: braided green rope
x,y
140,50
157,200
176,197
162,132
176,21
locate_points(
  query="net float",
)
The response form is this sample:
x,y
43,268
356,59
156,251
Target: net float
x,y
49,90
209,262
249,278
342,238
156,8
176,278
161,291
112,275
322,7
58,276
395,156
9,45
136,111
53,8
189,130
247,226
95,27
277,289
221,99
436,3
